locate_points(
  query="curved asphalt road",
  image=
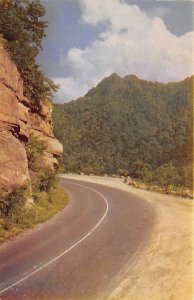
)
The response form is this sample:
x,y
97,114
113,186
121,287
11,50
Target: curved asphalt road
x,y
79,253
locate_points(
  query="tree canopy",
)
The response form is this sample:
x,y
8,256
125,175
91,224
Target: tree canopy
x,y
23,27
130,126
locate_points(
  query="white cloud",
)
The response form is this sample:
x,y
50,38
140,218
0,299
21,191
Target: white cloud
x,y
132,43
70,88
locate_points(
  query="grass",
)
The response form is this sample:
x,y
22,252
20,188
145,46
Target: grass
x,y
44,207
48,206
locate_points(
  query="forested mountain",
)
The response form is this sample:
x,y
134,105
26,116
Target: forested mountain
x,y
130,126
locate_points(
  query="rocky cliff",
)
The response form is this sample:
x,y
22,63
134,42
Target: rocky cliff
x,y
18,120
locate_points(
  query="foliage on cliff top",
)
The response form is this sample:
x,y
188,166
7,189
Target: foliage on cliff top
x,y
23,27
130,126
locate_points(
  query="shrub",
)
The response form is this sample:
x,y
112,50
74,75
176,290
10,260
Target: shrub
x,y
22,217
48,180
122,172
34,150
12,203
167,175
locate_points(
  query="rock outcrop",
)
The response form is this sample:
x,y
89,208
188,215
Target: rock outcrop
x,y
17,121
14,166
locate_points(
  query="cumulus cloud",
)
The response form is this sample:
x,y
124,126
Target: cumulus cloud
x,y
131,43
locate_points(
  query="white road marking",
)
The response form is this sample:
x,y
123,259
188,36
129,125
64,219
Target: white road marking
x,y
68,250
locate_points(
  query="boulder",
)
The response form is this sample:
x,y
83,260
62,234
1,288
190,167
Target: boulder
x,y
47,161
45,109
23,99
54,146
24,122
13,161
9,73
23,113
9,109
24,131
37,123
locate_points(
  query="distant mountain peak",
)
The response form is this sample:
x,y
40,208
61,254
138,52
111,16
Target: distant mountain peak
x,y
113,75
132,77
116,76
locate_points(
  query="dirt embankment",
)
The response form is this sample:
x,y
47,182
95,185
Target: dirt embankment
x,y
164,270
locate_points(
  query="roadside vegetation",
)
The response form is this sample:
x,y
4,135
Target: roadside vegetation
x,y
26,206
35,202
157,187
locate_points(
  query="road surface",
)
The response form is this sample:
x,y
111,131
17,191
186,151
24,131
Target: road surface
x,y
82,251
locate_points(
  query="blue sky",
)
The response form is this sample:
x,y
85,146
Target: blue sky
x,y
88,40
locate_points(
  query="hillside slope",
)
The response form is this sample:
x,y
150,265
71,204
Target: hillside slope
x,y
129,126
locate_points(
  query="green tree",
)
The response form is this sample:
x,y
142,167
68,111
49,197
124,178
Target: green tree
x,y
23,27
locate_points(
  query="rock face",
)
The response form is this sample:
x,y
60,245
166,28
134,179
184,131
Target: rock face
x,y
14,165
17,121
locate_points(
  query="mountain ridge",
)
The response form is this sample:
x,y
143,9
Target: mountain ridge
x,y
131,79
128,125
